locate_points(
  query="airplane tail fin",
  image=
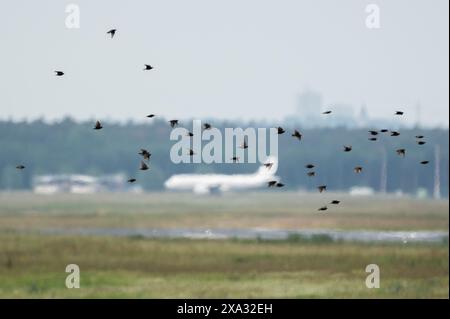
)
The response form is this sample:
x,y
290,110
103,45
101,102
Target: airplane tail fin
x,y
269,167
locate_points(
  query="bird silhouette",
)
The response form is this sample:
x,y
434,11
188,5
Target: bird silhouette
x,y
358,169
173,123
399,113
268,165
335,202
326,112
244,145
311,174
144,166
147,67
421,142
309,166
297,135
419,136
347,148
98,126
373,139
280,130
424,162
190,134
207,126
401,152
145,154
59,73
151,115
384,130
131,180
324,208
395,133
112,32
322,188
20,167
271,183
279,185
373,132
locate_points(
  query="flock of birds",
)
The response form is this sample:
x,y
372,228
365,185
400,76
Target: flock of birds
x,y
373,136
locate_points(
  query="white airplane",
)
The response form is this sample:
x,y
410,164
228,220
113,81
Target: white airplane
x,y
204,183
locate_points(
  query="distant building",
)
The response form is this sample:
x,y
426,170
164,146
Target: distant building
x,y
81,184
310,108
361,191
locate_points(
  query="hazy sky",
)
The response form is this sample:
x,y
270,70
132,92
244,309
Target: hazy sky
x,y
232,59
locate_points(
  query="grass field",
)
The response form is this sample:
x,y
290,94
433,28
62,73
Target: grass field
x,y
33,265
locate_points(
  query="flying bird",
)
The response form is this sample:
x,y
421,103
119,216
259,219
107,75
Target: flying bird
x,y
173,123
147,67
322,188
395,133
373,139
419,136
131,180
59,73
384,130
401,152
335,202
424,162
151,115
112,32
144,166
347,148
421,142
279,185
271,183
297,134
399,113
190,134
244,145
358,169
373,132
309,166
327,112
98,126
268,165
280,130
20,167
145,154
324,208
207,126
311,174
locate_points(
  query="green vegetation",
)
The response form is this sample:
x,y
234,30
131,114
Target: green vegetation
x,y
33,267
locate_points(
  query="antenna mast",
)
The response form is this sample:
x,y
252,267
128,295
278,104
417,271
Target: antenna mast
x,y
437,172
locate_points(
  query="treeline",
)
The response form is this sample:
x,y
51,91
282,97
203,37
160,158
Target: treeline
x,y
72,147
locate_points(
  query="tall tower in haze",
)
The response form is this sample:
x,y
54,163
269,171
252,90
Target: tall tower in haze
x,y
437,172
383,177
